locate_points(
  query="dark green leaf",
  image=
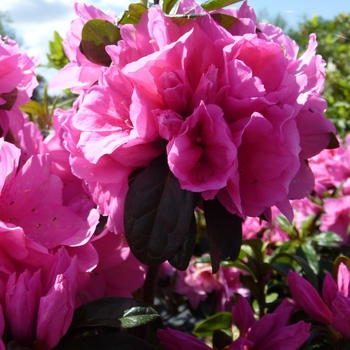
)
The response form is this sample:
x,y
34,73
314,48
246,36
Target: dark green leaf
x,y
138,316
206,328
96,35
133,15
224,233
157,213
221,340
182,257
212,5
224,20
10,98
333,142
110,341
112,312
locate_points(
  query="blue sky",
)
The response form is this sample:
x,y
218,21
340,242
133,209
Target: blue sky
x,y
35,20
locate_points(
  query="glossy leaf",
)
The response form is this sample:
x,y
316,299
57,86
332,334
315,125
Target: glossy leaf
x,y
212,5
10,98
110,341
221,320
96,35
113,312
224,233
157,214
133,15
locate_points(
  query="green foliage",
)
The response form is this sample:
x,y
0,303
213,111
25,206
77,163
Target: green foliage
x,y
333,38
56,57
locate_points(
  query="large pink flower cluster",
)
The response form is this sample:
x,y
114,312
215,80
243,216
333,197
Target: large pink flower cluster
x,y
51,260
235,110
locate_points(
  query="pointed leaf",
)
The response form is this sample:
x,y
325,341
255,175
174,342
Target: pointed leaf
x,y
224,233
96,35
333,142
133,15
212,5
109,341
157,214
224,20
219,321
34,108
138,316
169,5
113,312
181,259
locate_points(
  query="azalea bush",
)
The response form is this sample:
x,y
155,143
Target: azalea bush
x,y
194,185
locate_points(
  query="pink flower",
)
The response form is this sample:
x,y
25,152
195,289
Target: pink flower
x,y
336,308
22,301
236,111
336,217
115,259
80,73
176,340
272,331
308,299
203,154
17,82
57,307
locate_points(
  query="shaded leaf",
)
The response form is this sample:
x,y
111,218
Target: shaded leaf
x,y
224,233
182,257
333,142
224,20
219,321
96,35
309,274
133,15
212,5
10,98
113,312
109,341
157,213
221,340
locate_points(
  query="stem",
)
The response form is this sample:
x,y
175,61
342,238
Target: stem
x,y
149,291
149,287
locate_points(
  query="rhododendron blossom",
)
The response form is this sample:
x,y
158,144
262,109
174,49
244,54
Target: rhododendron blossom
x,y
235,110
